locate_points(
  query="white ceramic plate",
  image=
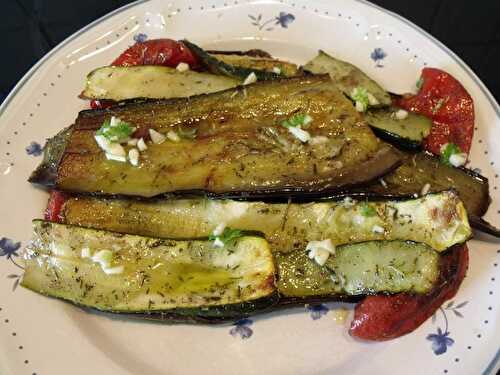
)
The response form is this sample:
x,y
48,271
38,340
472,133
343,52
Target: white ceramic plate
x,y
42,336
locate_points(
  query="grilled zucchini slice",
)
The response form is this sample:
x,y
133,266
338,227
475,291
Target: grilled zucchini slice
x,y
151,81
407,133
179,277
360,269
439,220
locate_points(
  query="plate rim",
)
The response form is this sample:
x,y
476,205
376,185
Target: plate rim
x,y
494,363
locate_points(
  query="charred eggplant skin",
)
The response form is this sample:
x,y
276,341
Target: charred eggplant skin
x,y
240,149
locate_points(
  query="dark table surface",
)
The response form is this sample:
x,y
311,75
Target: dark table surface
x,y
33,27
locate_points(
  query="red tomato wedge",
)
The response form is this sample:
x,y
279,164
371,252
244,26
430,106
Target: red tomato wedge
x,y
444,100
54,206
165,52
380,318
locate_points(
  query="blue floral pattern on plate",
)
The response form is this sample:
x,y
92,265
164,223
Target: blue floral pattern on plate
x,y
441,340
377,55
317,311
242,328
283,19
34,149
140,37
8,249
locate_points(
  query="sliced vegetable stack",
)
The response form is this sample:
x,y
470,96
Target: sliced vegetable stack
x,y
326,209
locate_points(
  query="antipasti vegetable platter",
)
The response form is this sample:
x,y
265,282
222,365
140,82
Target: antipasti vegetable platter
x,y
243,187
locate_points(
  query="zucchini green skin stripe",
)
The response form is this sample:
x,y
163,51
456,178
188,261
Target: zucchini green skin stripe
x,y
438,220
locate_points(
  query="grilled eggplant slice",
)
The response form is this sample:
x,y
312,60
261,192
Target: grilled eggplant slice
x,y
421,169
347,77
151,81
184,277
406,133
240,147
439,220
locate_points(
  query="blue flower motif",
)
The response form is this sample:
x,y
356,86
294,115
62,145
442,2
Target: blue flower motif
x,y
378,55
140,37
317,311
242,328
440,341
284,19
34,149
8,248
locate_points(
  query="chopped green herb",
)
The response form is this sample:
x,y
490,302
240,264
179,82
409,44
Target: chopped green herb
x,y
115,130
367,210
419,83
447,151
228,236
360,96
298,120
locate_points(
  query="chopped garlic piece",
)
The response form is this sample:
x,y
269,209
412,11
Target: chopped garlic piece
x,y
218,243
114,121
348,202
457,160
133,156
113,270
141,145
425,189
383,183
219,229
300,134
103,257
173,136
133,142
320,250
156,137
360,106
182,67
276,70
85,252
400,114
251,78
109,147
119,158
378,229
372,100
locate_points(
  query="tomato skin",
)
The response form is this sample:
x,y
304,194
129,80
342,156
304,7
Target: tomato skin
x,y
101,104
165,52
444,100
385,317
54,206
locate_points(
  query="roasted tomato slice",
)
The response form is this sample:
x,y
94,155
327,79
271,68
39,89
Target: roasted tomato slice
x,y
54,206
443,99
165,52
382,318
